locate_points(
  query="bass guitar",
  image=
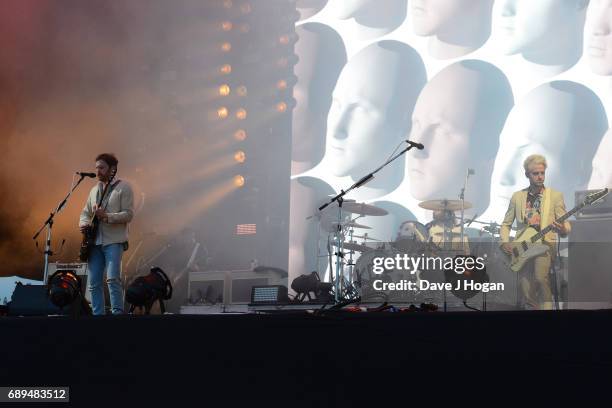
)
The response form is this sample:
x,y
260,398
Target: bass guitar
x,y
528,243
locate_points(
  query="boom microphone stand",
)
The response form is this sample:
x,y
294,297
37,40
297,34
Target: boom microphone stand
x,y
49,224
339,198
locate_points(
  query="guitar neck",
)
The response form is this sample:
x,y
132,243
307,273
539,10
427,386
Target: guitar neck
x,y
561,219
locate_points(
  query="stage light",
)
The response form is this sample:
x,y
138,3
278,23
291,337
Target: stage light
x,y
227,26
226,69
281,107
281,84
240,135
246,8
242,90
283,39
226,47
241,114
238,180
222,112
224,90
64,288
240,156
145,290
284,62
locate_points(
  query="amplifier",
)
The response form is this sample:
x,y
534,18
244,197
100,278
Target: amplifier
x,y
229,287
600,209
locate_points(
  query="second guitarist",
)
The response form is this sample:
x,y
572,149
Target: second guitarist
x,y
113,215
536,206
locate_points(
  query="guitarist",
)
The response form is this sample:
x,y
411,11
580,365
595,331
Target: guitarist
x,y
112,216
536,206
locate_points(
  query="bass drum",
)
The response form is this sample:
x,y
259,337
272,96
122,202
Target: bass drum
x,y
372,286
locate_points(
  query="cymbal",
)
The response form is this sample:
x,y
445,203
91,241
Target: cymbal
x,y
366,237
353,246
364,209
352,224
441,205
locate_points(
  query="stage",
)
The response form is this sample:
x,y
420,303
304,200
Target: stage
x,y
335,358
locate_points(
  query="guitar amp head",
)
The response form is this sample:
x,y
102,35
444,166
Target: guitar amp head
x,y
600,209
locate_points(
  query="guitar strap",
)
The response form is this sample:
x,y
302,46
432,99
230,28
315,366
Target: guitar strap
x,y
544,220
108,194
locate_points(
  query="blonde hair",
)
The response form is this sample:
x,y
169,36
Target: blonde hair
x,y
534,159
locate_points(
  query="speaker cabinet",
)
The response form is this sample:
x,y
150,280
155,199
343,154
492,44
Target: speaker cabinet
x,y
590,264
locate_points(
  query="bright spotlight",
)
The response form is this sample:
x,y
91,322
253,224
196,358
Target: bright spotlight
x,y
224,90
222,112
227,26
226,47
238,180
239,156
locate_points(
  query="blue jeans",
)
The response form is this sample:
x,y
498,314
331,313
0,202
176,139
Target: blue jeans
x,y
100,258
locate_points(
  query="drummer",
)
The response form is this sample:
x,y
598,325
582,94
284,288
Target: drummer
x,y
444,228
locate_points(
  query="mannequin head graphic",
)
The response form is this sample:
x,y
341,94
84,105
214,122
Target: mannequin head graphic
x,y
308,8
321,57
599,36
561,120
370,112
455,27
602,165
544,32
458,117
372,18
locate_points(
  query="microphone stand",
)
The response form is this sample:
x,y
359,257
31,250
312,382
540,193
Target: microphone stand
x,y
49,224
339,198
462,197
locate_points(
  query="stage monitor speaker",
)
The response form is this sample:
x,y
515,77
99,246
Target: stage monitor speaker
x,y
590,264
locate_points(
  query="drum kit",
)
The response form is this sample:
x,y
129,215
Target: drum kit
x,y
355,253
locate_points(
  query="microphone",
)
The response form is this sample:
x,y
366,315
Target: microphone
x,y
82,174
414,144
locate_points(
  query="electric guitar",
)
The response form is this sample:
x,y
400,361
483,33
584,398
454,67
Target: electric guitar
x,y
91,231
528,243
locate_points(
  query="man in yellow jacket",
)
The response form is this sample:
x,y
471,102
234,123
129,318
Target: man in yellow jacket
x,y
536,206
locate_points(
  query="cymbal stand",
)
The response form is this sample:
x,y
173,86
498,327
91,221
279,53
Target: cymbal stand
x,y
339,198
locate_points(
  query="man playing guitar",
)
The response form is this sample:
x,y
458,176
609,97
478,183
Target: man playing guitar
x,y
536,207
104,222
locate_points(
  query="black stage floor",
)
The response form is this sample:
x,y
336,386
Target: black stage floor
x,y
336,359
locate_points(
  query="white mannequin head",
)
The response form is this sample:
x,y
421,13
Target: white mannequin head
x,y
381,15
602,165
321,58
371,107
308,8
599,36
457,27
543,31
458,117
561,120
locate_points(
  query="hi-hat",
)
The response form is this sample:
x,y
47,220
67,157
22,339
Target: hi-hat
x,y
442,205
351,224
